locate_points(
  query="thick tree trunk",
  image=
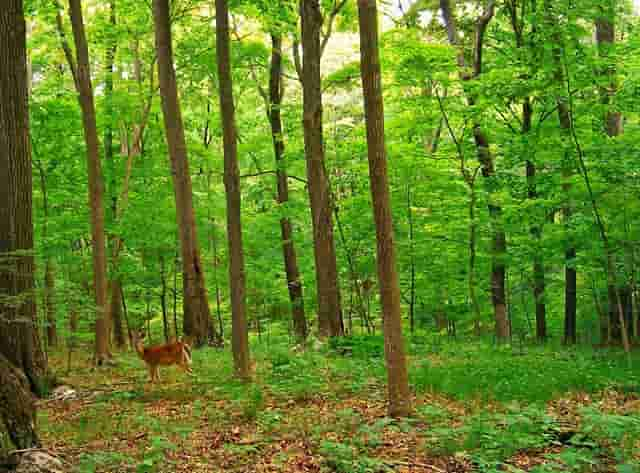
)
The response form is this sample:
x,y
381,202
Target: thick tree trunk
x,y
328,288
294,284
239,329
195,301
398,384
19,340
17,410
96,184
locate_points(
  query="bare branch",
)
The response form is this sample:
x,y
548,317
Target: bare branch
x,y
337,6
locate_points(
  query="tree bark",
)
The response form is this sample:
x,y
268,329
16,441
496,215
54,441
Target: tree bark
x,y
19,340
294,285
328,288
195,300
17,410
398,384
239,329
96,184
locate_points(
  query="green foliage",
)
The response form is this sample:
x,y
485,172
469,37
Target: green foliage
x,y
359,346
499,374
343,458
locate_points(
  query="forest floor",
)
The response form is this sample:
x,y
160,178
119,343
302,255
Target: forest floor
x,y
477,408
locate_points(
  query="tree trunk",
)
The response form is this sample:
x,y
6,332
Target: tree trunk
x,y
195,300
294,284
85,96
115,307
564,119
535,230
612,121
17,409
116,313
412,262
49,268
498,240
473,225
239,330
50,297
328,288
486,160
108,99
19,340
398,384
163,300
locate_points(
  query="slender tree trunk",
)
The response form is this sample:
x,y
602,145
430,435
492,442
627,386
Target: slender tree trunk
x,y
49,268
412,282
398,384
108,99
328,288
239,329
96,184
535,230
612,121
116,313
50,298
294,284
498,240
564,119
163,299
486,160
19,340
214,252
115,307
175,293
195,300
473,226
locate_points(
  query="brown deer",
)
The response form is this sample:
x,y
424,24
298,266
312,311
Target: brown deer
x,y
175,353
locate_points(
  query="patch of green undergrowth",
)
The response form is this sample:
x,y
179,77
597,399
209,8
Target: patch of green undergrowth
x,y
346,458
492,373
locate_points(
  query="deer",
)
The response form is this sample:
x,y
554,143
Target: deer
x,y
174,353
